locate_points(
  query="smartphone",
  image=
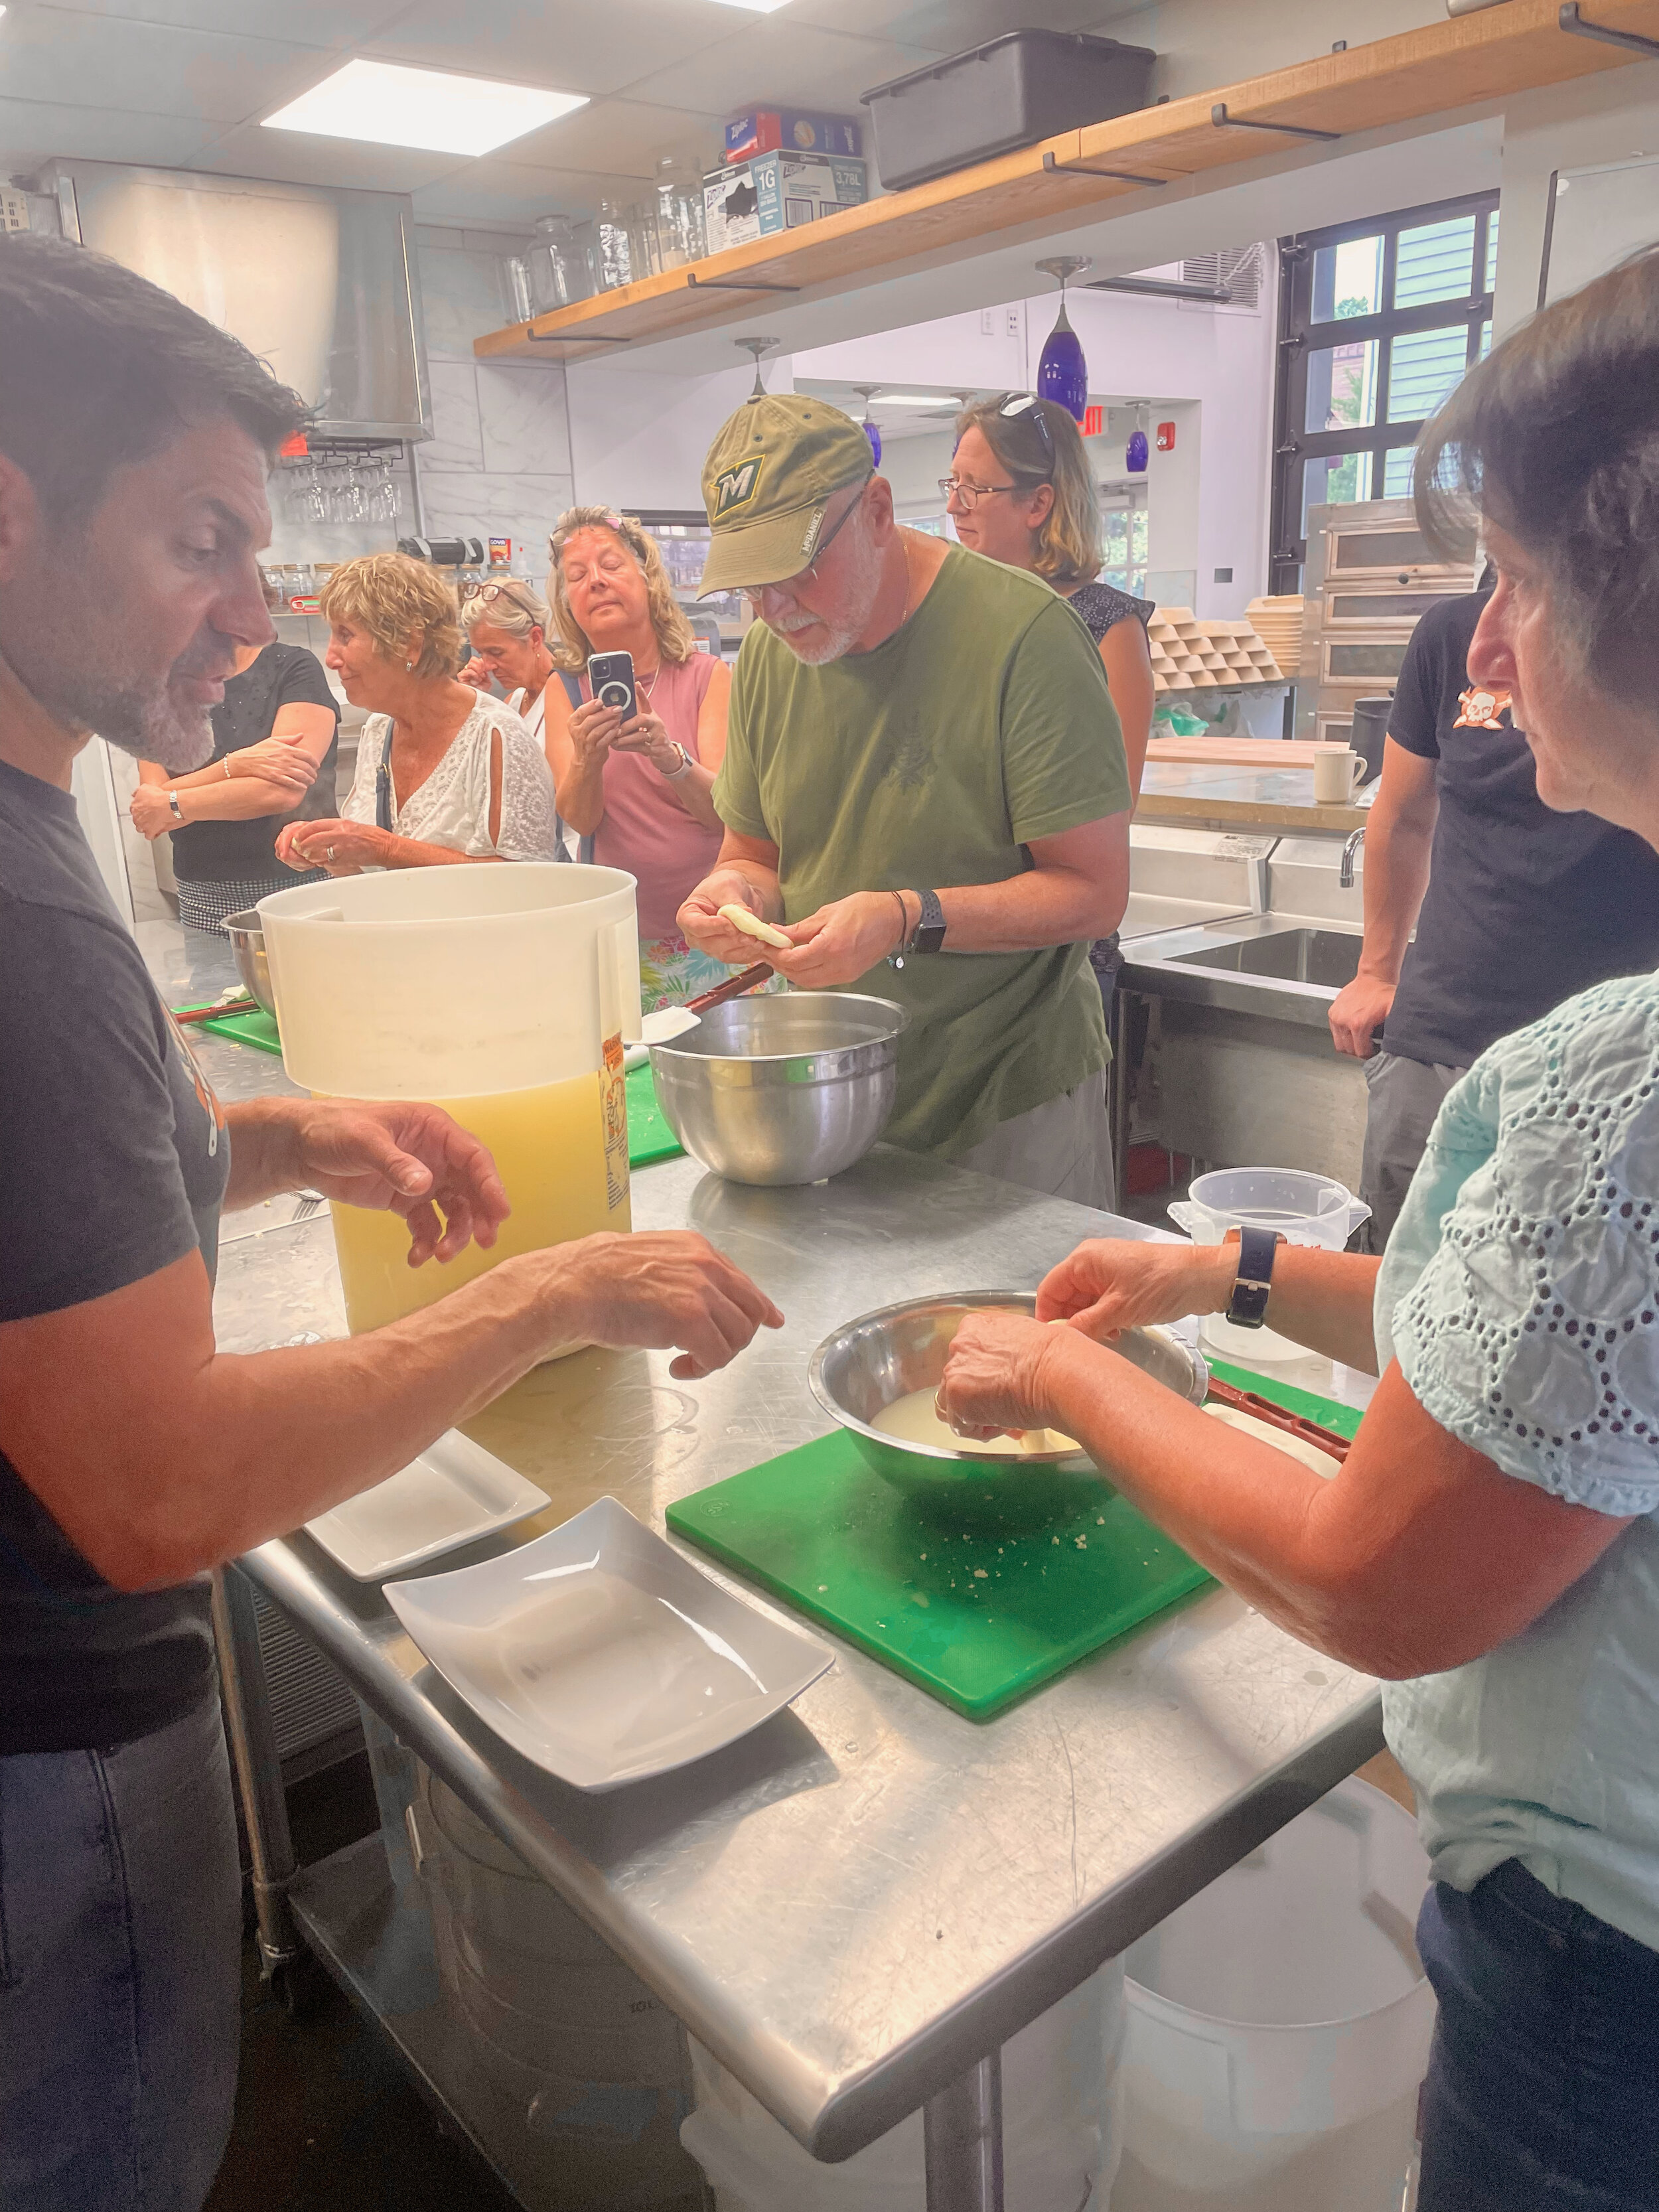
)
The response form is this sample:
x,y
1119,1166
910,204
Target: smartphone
x,y
611,677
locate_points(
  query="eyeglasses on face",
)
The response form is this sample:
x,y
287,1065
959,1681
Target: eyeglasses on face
x,y
967,496
753,593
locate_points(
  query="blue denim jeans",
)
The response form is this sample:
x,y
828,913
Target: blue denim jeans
x,y
1543,2087
120,1935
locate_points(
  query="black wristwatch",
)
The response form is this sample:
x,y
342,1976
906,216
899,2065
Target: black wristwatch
x,y
1247,1306
928,935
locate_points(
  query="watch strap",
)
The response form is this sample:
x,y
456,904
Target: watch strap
x,y
1247,1306
930,927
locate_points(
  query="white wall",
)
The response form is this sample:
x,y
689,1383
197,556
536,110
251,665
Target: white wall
x,y
1568,127
638,436
1210,371
498,464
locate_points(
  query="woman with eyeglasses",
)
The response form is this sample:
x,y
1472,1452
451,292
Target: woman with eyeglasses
x,y
637,788
507,625
444,777
1021,491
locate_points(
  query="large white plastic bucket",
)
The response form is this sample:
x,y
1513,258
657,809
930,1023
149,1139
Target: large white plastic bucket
x,y
573,2050
1303,1208
1279,2026
506,995
1061,2126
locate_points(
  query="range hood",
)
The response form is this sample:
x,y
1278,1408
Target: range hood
x,y
321,284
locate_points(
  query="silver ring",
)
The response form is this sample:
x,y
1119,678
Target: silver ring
x,y
328,852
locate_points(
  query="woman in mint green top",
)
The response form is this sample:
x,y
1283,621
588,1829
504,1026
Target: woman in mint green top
x,y
1491,1545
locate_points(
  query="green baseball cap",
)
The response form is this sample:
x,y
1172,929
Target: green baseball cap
x,y
770,476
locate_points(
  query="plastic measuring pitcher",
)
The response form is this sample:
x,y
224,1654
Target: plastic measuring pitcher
x,y
1305,1209
504,995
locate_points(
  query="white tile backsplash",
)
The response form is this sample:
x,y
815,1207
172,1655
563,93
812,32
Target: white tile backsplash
x,y
521,507
461,299
456,440
523,418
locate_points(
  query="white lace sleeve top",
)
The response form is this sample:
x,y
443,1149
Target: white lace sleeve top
x,y
451,807
1520,1294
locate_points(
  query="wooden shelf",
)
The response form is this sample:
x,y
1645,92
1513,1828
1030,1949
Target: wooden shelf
x,y
1435,71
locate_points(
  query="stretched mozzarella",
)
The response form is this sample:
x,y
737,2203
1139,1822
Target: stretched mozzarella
x,y
752,926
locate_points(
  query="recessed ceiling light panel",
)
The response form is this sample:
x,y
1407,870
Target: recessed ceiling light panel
x,y
383,104
940,399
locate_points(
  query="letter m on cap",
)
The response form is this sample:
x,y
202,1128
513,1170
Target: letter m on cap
x,y
735,488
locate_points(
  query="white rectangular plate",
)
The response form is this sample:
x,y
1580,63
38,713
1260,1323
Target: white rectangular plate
x,y
454,1492
601,1655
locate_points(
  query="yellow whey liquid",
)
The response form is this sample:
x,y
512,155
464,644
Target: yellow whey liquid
x,y
912,1420
561,1151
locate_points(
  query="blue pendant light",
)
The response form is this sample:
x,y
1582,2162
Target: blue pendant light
x,y
1134,453
871,430
1062,372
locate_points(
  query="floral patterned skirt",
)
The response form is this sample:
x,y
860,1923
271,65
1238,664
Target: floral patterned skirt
x,y
672,971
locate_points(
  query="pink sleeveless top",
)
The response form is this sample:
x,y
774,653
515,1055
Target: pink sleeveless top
x,y
644,829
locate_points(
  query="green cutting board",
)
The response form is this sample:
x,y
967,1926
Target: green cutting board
x,y
258,1029
979,1619
649,1137
1329,1412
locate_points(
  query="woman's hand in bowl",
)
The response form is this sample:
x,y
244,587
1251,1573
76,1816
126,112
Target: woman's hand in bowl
x,y
998,1377
1112,1283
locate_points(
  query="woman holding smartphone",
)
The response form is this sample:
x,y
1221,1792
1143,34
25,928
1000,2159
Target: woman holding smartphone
x,y
636,786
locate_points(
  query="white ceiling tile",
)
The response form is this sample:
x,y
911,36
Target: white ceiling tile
x,y
34,130
775,61
294,157
109,63
574,48
620,137
306,22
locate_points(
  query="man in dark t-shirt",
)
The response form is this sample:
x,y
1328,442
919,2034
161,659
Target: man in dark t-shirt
x,y
135,1457
1516,908
274,751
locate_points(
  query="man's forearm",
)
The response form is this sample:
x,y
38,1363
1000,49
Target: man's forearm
x,y
1397,855
268,1440
265,1156
1044,907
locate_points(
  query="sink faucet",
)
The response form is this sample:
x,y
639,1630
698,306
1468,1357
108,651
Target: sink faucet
x,y
1356,838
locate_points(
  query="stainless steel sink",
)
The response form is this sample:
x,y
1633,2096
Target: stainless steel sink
x,y
1326,956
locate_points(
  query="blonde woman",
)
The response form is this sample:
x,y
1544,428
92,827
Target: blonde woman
x,y
1021,491
507,625
639,788
443,776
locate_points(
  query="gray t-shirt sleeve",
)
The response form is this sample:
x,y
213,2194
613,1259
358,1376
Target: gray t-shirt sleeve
x,y
92,1195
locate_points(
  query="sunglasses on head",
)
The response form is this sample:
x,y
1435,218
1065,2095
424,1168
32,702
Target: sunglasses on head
x,y
487,595
1026,407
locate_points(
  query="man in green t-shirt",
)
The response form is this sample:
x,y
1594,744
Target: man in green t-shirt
x,y
906,713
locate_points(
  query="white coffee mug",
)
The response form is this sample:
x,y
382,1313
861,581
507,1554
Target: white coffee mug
x,y
1336,770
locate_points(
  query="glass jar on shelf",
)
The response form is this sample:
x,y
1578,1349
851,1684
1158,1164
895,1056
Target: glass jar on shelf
x,y
612,246
677,208
514,274
557,265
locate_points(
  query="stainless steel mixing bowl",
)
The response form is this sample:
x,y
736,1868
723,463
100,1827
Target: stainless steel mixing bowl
x,y
247,941
882,1356
787,1087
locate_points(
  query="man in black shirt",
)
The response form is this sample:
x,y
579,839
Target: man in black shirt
x,y
1516,908
274,748
134,441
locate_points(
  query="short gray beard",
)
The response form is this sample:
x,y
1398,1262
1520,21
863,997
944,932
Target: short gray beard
x,y
863,588
61,670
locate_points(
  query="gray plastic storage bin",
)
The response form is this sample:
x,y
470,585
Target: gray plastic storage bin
x,y
1025,86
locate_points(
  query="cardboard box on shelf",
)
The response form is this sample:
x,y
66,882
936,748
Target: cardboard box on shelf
x,y
774,193
772,131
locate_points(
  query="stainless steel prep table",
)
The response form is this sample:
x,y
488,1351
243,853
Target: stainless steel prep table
x,y
857,1904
